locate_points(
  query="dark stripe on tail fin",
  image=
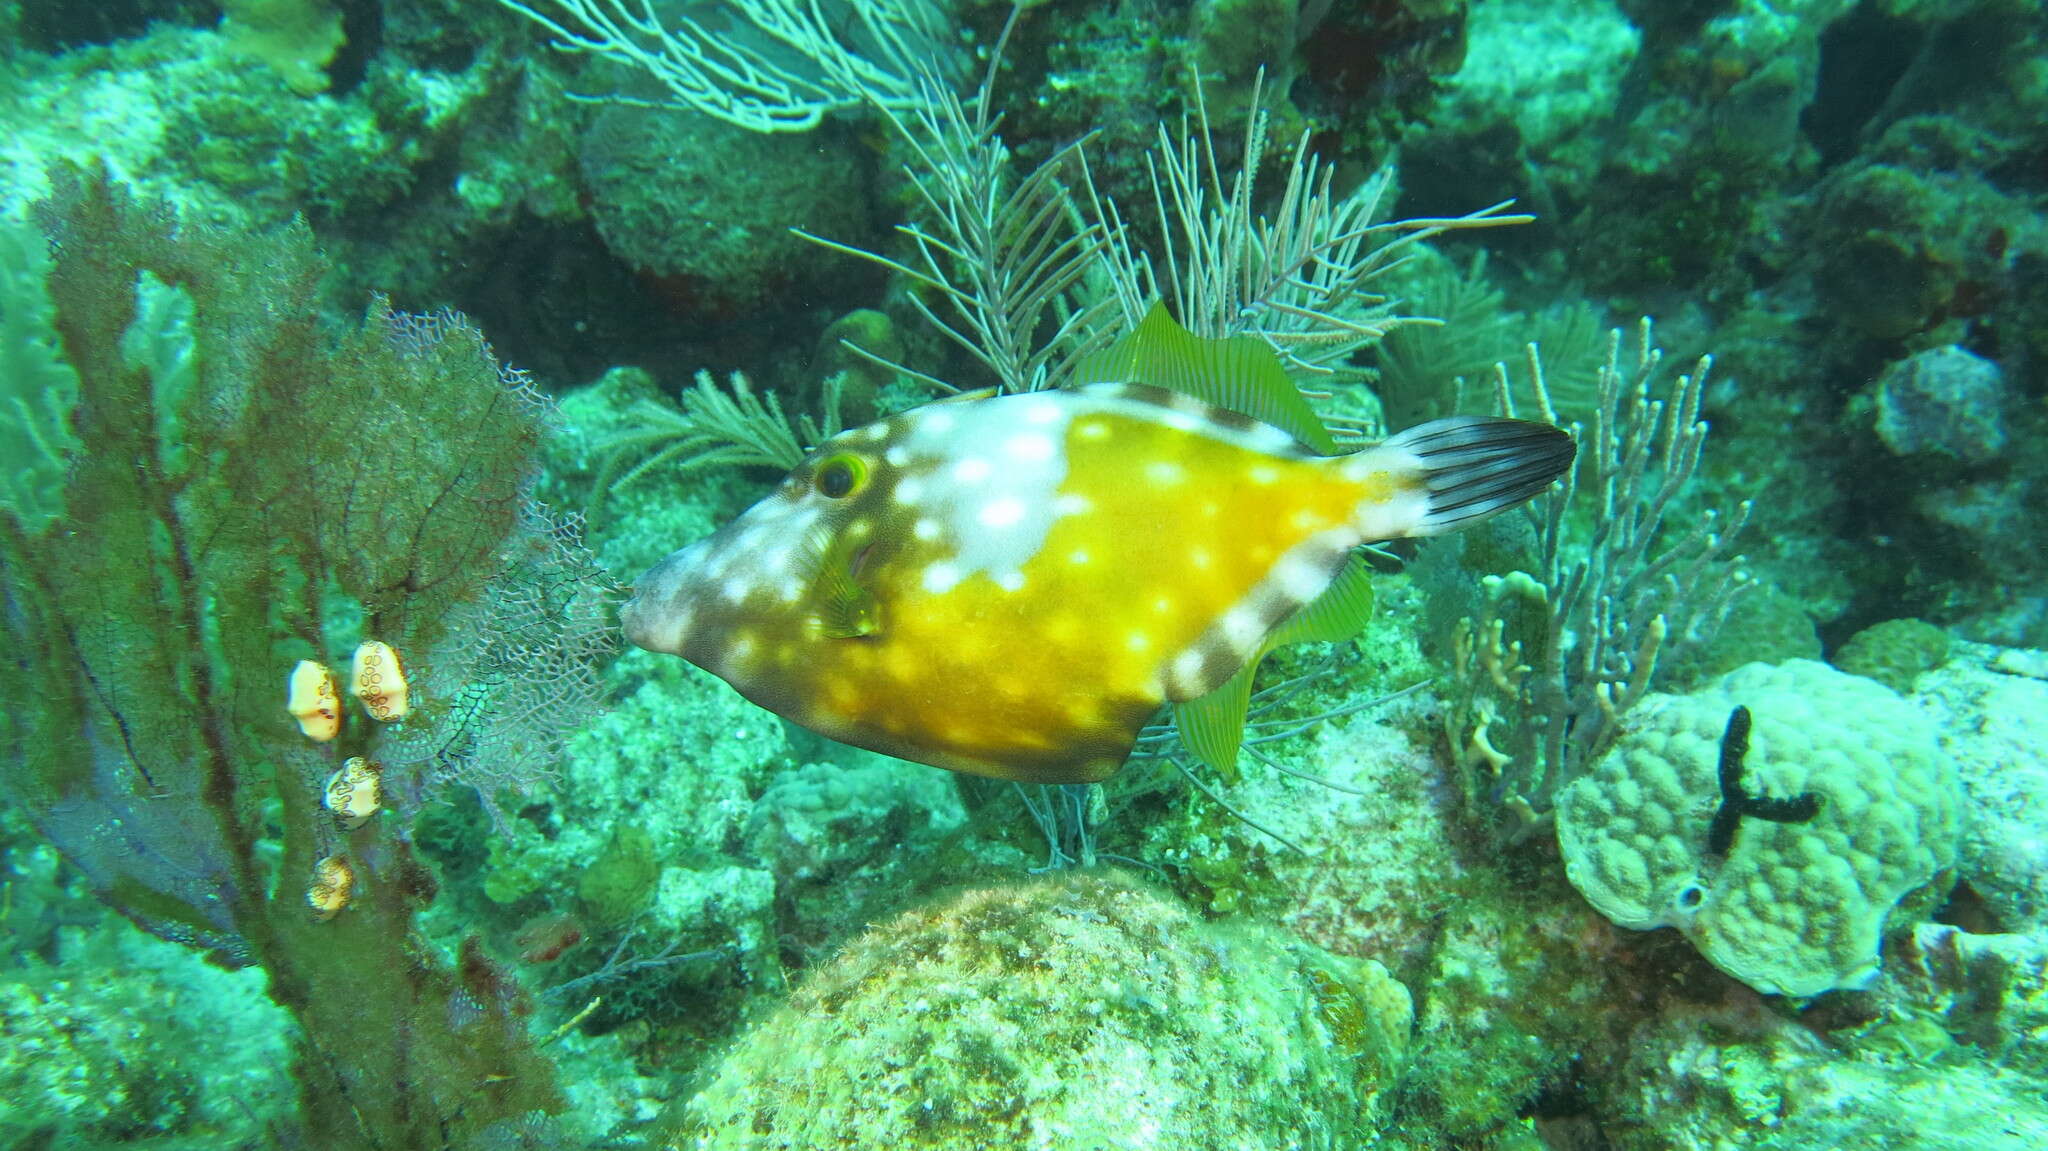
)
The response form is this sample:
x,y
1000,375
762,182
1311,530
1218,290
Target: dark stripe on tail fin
x,y
1475,466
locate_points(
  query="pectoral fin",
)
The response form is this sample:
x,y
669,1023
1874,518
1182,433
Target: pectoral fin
x,y
846,609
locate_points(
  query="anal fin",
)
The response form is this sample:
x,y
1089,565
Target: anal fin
x,y
1212,725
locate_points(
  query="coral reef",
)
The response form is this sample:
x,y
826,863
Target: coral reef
x,y
686,920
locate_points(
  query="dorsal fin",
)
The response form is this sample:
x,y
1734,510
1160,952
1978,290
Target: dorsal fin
x,y
1212,726
1238,372
965,397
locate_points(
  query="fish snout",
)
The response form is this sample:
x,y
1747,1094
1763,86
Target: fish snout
x,y
658,616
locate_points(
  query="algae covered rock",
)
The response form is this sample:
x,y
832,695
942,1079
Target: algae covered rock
x,y
1991,706
1085,1011
1790,906
620,881
1895,652
711,206
130,1040
1764,625
1990,991
1739,1076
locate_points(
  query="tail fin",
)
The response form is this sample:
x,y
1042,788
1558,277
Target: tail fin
x,y
1451,473
1473,467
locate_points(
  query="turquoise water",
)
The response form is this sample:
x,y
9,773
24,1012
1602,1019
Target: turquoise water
x,y
699,573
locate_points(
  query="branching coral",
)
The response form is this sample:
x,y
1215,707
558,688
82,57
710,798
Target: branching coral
x,y
1556,656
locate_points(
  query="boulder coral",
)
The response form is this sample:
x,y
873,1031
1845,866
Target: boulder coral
x,y
1791,904
1082,1011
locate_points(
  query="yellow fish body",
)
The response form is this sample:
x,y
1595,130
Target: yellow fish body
x,y
1012,585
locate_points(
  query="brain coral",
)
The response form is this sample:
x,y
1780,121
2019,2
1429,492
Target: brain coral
x,y
1079,1013
1794,908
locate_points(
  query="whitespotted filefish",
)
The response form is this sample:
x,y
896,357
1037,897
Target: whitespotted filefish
x,y
1012,585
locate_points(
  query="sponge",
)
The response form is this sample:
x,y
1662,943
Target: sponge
x,y
1795,906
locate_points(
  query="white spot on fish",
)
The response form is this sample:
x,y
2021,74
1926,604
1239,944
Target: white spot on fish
x,y
1033,447
1138,641
1092,429
1180,421
734,589
1002,513
1201,558
775,561
1242,628
935,422
792,590
1071,504
1187,667
1165,472
941,578
1162,605
674,631
1299,578
1078,556
1270,440
1011,581
1263,474
998,465
909,490
897,456
925,529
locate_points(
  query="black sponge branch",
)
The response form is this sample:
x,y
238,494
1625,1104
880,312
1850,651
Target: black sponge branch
x,y
1737,803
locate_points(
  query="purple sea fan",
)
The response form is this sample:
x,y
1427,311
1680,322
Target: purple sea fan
x,y
258,491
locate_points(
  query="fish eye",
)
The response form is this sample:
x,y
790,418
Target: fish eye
x,y
839,476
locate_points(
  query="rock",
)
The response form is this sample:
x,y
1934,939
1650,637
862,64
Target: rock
x,y
1943,400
